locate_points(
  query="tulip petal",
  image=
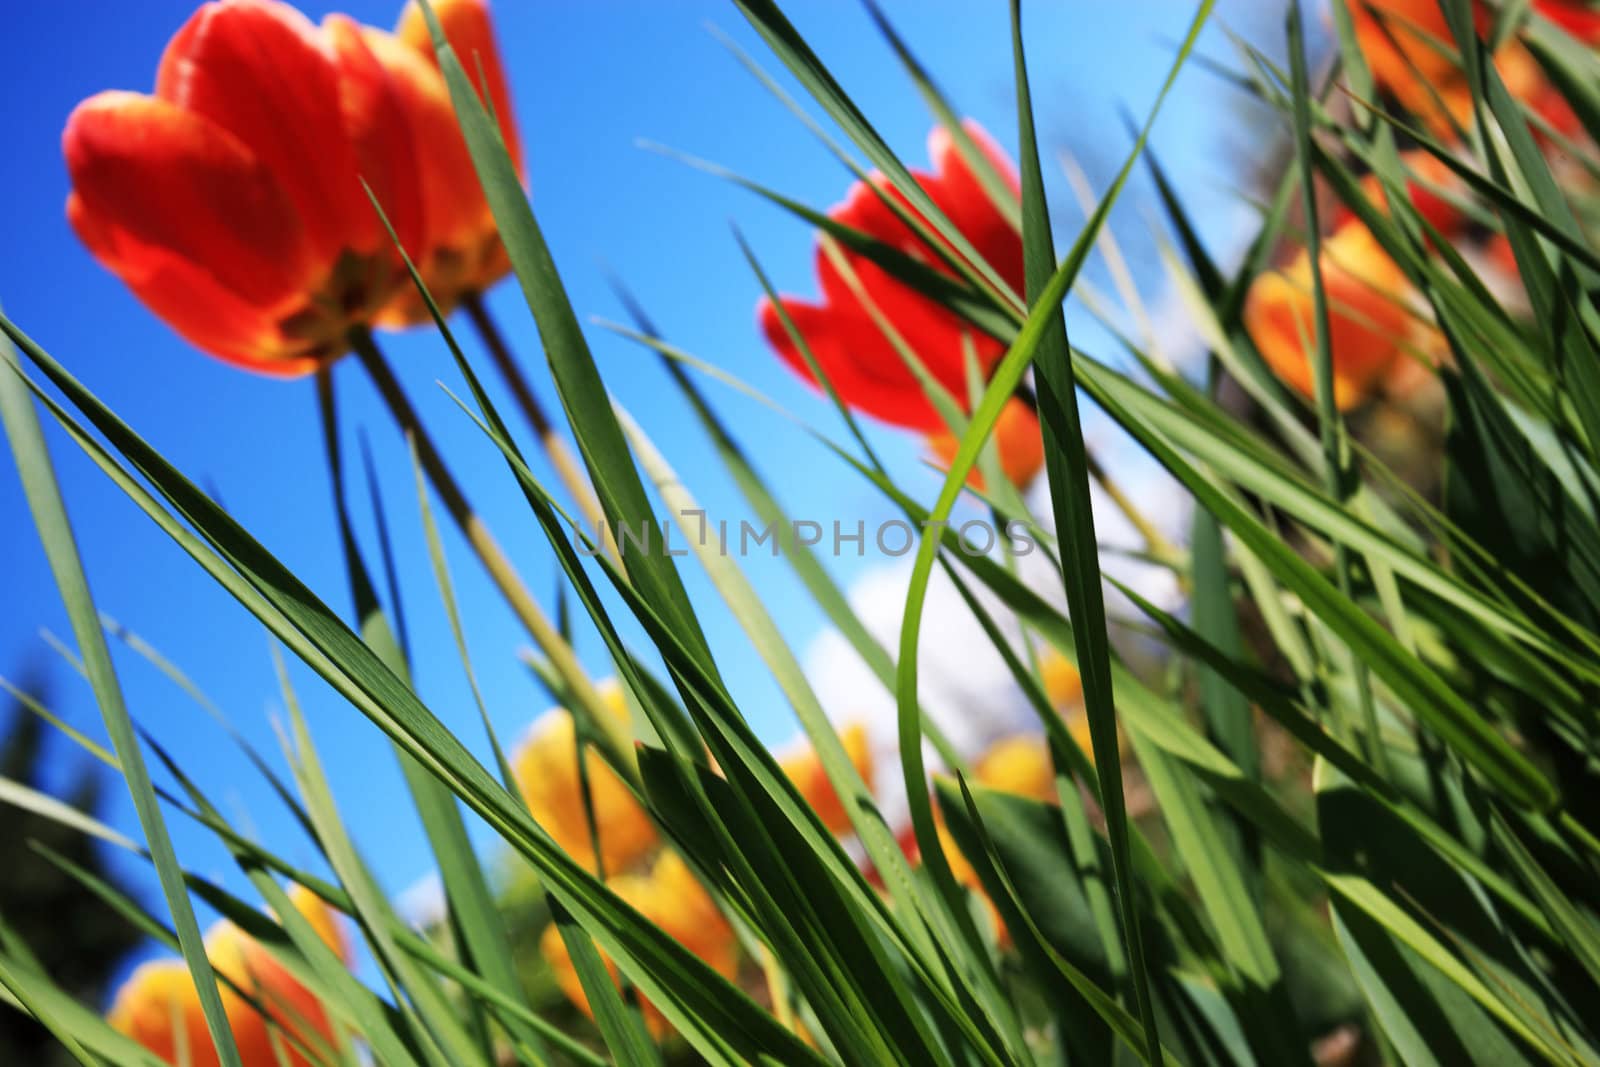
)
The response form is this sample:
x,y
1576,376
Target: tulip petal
x,y
154,996
171,180
1574,16
963,199
933,332
852,352
1367,325
458,227
377,122
1018,437
546,770
193,302
470,30
261,70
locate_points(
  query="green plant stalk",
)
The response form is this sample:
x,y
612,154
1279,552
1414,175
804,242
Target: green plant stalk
x,y
472,527
554,445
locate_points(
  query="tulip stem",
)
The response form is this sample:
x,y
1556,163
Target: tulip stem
x,y
550,439
472,527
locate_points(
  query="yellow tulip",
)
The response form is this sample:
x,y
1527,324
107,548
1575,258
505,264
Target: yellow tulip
x,y
671,897
159,1006
545,764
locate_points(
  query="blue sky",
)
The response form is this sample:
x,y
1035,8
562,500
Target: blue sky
x,y
589,80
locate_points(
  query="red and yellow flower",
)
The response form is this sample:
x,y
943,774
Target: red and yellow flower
x,y
854,349
230,199
231,202
159,1007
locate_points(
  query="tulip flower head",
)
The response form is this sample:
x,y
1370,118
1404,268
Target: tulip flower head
x,y
671,897
230,200
852,332
159,1007
546,767
1370,325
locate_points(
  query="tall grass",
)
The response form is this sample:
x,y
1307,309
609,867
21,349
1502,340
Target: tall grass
x,y
1419,883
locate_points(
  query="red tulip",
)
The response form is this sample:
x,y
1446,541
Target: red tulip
x,y
230,201
853,351
1432,187
470,31
1576,17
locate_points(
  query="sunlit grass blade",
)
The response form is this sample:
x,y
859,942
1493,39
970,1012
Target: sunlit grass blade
x,y
1124,1024
736,750
926,219
622,1028
1066,463
996,320
762,784
994,184
1260,996
449,1036
313,961
847,782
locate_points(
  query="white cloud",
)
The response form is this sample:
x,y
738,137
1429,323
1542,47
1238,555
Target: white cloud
x,y
964,684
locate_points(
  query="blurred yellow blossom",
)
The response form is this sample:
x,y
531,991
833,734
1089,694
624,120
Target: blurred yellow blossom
x,y
159,1007
671,897
546,767
1019,764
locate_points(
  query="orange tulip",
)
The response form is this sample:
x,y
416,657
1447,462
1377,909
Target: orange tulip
x,y
1412,54
230,201
546,769
159,1007
460,252
673,898
805,771
1369,325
